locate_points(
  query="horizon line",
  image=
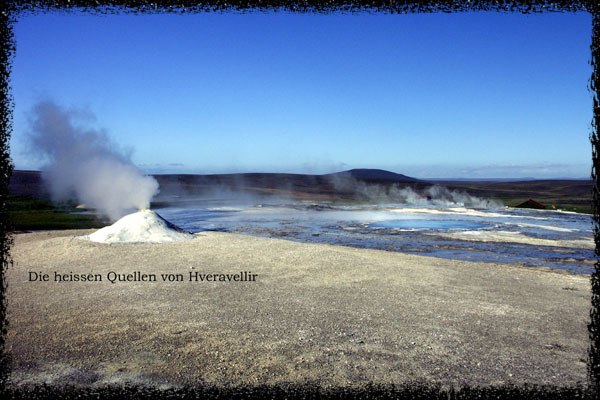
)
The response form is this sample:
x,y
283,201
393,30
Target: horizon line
x,y
451,179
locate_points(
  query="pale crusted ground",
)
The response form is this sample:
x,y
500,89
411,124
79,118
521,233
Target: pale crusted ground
x,y
317,314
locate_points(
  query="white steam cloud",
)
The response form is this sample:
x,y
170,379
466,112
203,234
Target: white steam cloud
x,y
440,196
82,163
435,196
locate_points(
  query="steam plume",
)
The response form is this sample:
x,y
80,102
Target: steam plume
x,y
82,163
436,196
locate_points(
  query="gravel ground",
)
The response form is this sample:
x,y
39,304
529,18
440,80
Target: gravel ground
x,y
314,314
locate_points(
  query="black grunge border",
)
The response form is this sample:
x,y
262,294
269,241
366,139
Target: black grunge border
x,y
12,10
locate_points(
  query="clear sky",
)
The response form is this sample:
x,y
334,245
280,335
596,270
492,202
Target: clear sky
x,y
469,95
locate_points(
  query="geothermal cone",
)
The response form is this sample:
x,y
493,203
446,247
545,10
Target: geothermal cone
x,y
144,226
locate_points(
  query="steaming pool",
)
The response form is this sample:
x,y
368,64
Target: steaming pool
x,y
533,238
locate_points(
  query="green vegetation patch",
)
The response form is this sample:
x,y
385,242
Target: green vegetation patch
x,y
28,203
24,221
31,213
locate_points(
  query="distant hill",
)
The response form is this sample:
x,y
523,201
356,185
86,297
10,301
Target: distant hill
x,y
374,174
576,194
27,183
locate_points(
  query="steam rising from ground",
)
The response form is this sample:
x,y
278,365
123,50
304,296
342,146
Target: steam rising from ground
x,y
82,163
437,196
240,190
441,196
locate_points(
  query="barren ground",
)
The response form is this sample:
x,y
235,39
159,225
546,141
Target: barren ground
x,y
316,314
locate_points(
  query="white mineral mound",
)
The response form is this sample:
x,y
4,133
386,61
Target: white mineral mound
x,y
144,226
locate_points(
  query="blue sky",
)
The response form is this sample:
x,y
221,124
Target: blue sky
x,y
469,95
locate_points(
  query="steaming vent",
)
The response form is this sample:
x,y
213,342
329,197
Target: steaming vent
x,y
144,226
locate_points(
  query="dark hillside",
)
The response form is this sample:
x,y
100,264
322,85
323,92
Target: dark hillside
x,y
373,174
567,194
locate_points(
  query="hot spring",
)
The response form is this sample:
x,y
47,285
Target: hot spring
x,y
534,238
